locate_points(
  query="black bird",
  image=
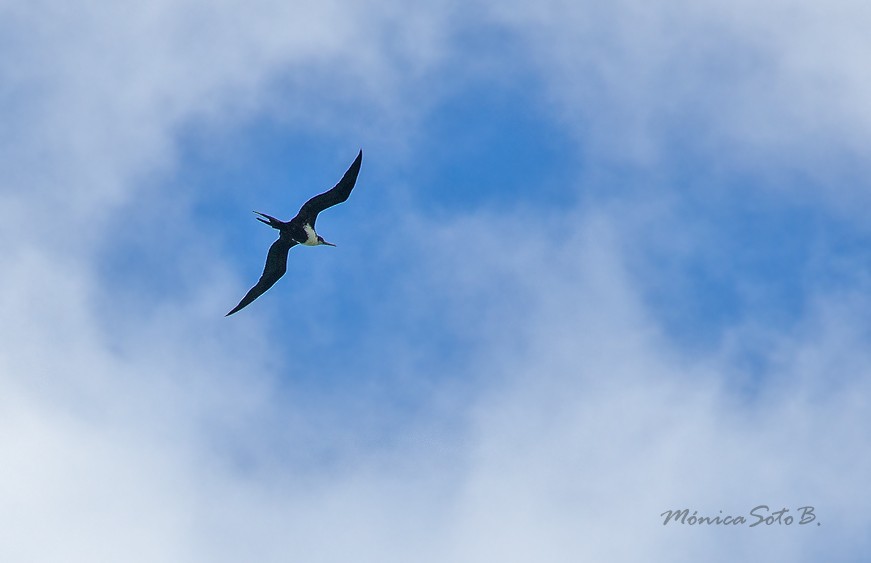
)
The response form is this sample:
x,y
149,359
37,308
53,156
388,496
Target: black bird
x,y
299,230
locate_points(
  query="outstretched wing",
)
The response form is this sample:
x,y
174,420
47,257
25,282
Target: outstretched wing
x,y
337,194
276,265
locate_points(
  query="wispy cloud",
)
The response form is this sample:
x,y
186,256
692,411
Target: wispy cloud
x,y
776,90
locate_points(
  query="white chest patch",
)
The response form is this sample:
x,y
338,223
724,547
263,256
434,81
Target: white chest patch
x,y
311,236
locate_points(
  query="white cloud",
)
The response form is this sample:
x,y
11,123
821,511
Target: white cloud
x,y
96,93
779,89
589,426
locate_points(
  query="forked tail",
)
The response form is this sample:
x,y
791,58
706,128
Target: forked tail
x,y
271,221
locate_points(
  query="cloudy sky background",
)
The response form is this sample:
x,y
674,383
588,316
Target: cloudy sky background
x,y
602,261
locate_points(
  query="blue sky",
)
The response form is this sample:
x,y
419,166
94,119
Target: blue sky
x,y
602,261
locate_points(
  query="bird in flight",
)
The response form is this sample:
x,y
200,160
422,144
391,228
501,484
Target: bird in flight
x,y
299,230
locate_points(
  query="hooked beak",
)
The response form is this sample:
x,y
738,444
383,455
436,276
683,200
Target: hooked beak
x,y
328,243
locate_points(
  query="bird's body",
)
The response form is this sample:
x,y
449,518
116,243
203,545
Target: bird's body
x,y
299,230
311,237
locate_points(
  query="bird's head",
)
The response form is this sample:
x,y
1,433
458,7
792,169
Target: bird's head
x,y
322,241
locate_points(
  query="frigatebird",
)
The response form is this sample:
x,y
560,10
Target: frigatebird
x,y
299,230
